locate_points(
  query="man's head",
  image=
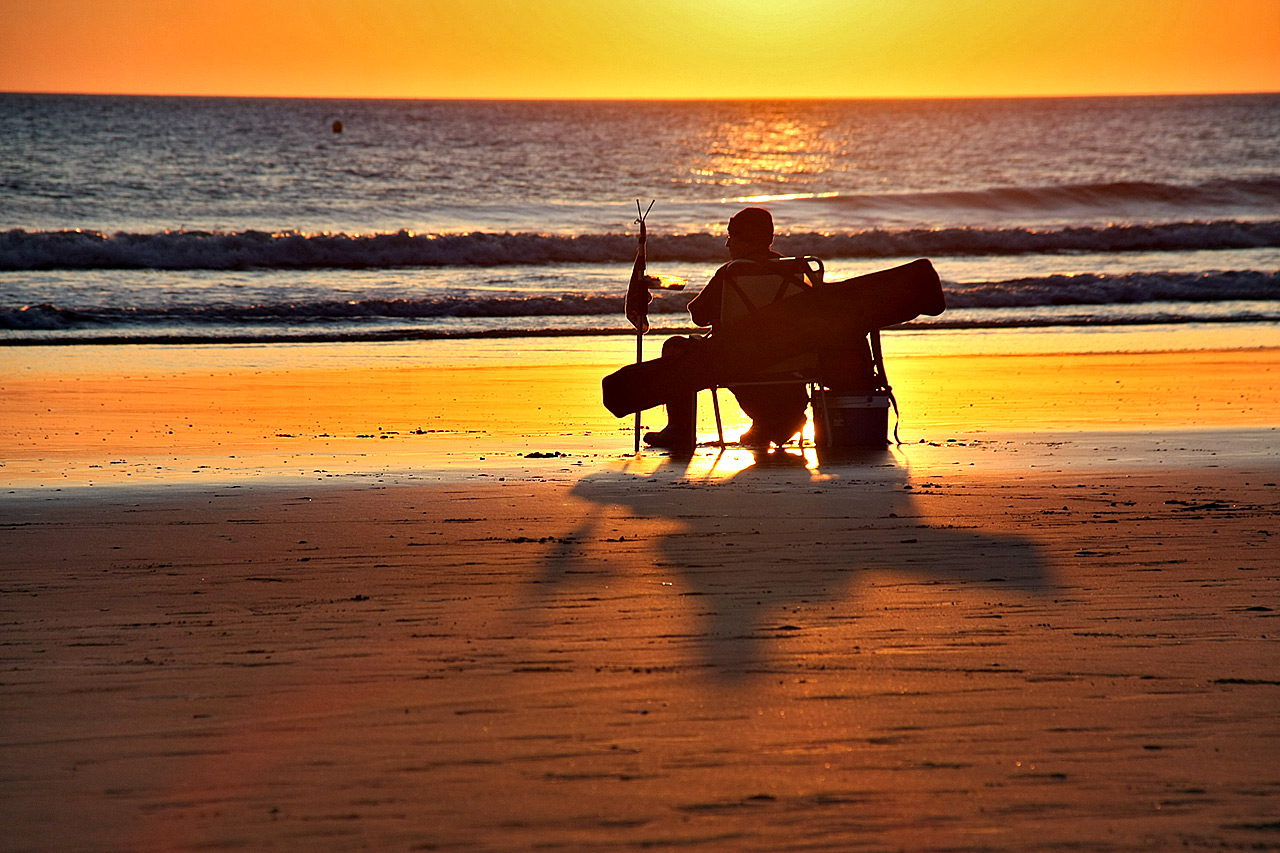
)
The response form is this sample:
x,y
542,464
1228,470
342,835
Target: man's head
x,y
750,231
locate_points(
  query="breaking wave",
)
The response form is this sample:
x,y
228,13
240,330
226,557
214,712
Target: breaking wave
x,y
1027,293
1259,193
206,250
1128,289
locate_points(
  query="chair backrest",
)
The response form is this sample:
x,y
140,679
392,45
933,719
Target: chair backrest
x,y
752,285
854,365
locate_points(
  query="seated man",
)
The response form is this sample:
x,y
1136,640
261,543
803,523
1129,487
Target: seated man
x,y
777,412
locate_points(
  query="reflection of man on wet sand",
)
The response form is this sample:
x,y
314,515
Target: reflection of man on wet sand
x,y
777,412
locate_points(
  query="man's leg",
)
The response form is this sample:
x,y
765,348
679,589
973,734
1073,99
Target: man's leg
x,y
777,412
680,433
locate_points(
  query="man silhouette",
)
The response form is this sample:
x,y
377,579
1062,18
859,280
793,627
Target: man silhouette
x,y
777,412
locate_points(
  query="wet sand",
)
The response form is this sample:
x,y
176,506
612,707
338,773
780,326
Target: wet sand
x,y
1049,623
78,416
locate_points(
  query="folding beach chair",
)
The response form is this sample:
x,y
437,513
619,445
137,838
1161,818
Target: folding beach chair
x,y
841,377
752,285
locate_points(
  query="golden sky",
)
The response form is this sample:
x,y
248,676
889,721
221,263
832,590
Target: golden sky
x,y
650,49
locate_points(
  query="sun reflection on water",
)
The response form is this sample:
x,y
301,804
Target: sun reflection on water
x,y
768,149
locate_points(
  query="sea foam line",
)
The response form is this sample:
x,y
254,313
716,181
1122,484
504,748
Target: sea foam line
x,y
402,333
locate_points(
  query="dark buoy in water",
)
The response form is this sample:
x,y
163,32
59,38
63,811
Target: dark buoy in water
x,y
337,127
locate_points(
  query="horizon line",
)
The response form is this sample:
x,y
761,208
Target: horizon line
x,y
654,99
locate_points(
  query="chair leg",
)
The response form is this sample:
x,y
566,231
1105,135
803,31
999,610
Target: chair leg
x,y
826,416
715,404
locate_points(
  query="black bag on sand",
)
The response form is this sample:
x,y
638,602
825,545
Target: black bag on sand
x,y
818,317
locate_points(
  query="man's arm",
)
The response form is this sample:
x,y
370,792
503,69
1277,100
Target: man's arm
x,y
705,307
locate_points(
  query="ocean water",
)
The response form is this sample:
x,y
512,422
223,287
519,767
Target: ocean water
x,y
145,220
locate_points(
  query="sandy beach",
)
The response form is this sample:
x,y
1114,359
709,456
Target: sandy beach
x,y
427,599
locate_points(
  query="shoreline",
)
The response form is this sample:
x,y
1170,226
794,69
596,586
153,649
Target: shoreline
x,y
1246,332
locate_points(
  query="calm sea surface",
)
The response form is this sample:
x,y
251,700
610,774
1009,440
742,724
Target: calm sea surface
x,y
167,219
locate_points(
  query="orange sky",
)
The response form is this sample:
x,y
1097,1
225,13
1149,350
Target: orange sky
x,y
650,49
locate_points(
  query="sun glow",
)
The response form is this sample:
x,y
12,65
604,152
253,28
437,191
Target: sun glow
x,y
657,49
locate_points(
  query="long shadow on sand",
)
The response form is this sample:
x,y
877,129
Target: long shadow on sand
x,y
769,550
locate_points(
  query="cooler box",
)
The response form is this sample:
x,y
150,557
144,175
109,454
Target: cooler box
x,y
851,420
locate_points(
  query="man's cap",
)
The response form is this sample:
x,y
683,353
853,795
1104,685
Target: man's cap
x,y
754,224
